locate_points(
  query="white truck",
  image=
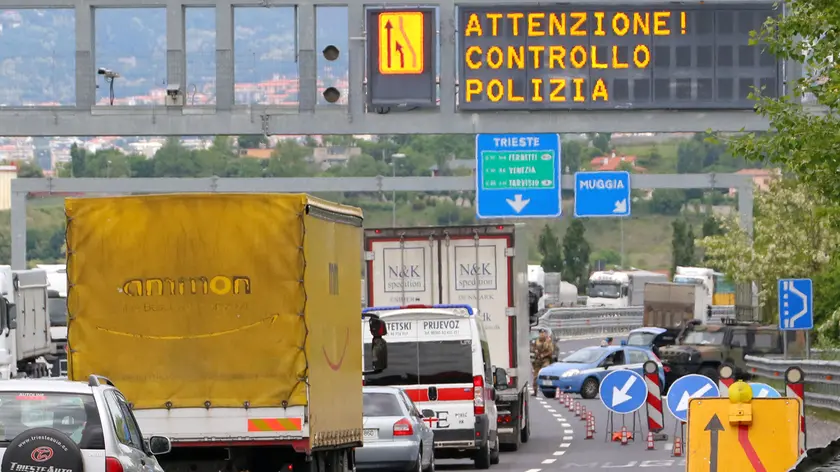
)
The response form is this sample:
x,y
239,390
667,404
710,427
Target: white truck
x,y
24,324
57,308
620,289
701,277
558,294
481,266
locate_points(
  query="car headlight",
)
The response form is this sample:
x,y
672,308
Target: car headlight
x,y
570,373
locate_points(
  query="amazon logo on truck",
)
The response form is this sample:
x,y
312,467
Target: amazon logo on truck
x,y
201,285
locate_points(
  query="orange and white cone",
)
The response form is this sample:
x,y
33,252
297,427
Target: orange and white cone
x,y
583,412
590,419
623,435
590,431
677,452
557,394
569,403
577,408
650,444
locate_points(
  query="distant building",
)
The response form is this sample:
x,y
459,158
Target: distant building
x,y
328,156
7,174
614,162
762,178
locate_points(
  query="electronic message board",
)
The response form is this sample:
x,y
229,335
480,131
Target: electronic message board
x,y
586,57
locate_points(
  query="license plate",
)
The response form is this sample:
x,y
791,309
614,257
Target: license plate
x,y
547,383
372,433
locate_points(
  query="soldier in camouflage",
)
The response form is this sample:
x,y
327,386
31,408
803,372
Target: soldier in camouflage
x,y
543,350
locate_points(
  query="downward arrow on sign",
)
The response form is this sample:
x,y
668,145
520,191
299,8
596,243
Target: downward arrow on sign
x,y
620,396
518,204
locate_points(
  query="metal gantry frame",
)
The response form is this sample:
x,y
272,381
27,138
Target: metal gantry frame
x,y
226,118
21,188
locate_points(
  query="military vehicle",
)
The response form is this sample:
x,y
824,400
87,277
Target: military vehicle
x,y
704,347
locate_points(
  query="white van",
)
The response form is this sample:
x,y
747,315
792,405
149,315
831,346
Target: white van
x,y
440,356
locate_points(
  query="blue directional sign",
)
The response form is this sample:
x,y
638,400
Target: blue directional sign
x,y
517,175
623,391
762,390
688,387
602,194
796,304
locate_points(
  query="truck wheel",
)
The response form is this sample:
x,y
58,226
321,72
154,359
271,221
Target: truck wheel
x,y
42,449
710,372
482,456
525,433
589,389
494,453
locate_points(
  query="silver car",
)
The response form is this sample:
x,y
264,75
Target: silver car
x,y
395,434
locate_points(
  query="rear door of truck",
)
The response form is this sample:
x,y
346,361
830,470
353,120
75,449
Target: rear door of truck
x,y
430,356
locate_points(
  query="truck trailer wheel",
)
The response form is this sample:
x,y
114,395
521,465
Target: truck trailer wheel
x,y
42,449
525,433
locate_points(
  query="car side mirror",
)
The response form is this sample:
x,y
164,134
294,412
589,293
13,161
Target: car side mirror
x,y
500,377
428,413
159,445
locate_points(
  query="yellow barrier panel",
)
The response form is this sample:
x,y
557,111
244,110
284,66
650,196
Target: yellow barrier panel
x,y
739,434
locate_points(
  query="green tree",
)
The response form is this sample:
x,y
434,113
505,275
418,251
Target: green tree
x,y
290,159
172,160
252,141
792,237
572,155
667,201
804,142
28,169
549,246
600,141
576,252
77,161
682,245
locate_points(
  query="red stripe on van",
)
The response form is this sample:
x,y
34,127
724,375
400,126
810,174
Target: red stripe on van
x,y
450,394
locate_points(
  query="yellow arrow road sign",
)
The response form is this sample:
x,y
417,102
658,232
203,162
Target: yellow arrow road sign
x,y
401,42
769,443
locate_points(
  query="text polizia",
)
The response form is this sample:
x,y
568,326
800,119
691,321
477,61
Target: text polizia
x,y
569,70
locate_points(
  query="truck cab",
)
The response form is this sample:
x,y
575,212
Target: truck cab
x,y
701,277
608,289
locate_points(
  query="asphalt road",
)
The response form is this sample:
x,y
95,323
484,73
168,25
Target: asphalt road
x,y
557,440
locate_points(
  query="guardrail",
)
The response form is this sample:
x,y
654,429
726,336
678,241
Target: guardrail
x,y
577,323
822,378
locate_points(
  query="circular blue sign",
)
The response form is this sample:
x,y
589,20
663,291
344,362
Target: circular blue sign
x,y
623,391
762,390
688,387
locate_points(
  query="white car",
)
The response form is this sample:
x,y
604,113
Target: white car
x,y
52,424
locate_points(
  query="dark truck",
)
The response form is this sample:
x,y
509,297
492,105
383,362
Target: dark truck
x,y
704,348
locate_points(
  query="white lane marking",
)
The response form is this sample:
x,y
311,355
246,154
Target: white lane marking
x,y
533,470
558,415
567,438
568,431
566,425
552,410
565,445
559,453
549,461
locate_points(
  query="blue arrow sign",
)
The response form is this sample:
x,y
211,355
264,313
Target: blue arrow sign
x,y
796,304
623,391
688,387
602,194
762,390
517,175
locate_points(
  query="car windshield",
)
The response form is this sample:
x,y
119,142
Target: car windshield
x,y
428,362
73,414
683,279
380,404
58,311
704,338
640,339
604,290
585,356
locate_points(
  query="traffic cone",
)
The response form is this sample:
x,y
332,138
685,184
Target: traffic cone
x,y
623,435
591,420
650,444
557,394
677,452
577,408
569,403
583,413
590,431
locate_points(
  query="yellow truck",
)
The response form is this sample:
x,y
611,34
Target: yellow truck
x,y
230,322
